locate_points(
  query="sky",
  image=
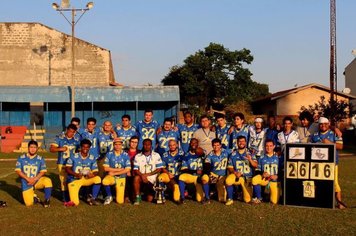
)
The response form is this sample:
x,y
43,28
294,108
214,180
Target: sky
x,y
289,39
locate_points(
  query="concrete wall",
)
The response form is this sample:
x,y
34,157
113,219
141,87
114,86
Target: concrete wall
x,y
291,104
34,54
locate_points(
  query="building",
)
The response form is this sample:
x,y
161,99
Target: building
x,y
350,77
289,102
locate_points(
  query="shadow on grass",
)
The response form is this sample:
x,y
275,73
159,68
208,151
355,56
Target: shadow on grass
x,y
56,190
14,191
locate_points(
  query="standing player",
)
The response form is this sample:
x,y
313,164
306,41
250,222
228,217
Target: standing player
x,y
186,131
147,165
126,130
326,135
192,169
273,129
117,165
146,129
31,168
222,130
268,169
204,135
288,135
238,129
241,167
91,133
257,138
165,135
82,170
66,145
307,128
215,165
172,161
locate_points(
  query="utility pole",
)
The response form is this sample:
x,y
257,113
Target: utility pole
x,y
333,65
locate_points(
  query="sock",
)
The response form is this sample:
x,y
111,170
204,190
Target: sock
x,y
181,189
48,192
257,191
230,191
95,190
206,191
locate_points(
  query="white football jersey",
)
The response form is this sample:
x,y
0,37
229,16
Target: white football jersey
x,y
148,164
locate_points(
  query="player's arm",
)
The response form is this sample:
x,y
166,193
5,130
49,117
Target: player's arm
x,y
252,162
156,171
71,172
115,171
30,180
56,148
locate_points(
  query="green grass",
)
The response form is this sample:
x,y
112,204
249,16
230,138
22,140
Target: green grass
x,y
189,219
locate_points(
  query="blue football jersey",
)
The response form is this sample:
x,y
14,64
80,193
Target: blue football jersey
x,y
244,131
105,143
78,164
218,162
146,131
117,161
272,134
269,164
318,137
186,134
31,167
71,144
222,134
163,139
173,163
125,135
239,162
192,162
94,139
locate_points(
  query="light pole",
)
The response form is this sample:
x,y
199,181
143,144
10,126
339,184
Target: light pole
x,y
73,22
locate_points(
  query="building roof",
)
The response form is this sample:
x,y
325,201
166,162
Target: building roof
x,y
61,94
284,93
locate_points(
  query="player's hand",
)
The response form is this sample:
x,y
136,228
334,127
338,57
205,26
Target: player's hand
x,y
90,175
159,130
64,149
326,141
129,173
232,128
273,177
171,176
248,157
31,181
212,128
175,128
144,178
265,175
238,174
78,175
338,132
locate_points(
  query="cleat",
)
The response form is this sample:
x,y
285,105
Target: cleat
x,y
205,201
69,204
127,200
46,203
229,202
108,200
3,204
256,200
137,201
181,202
93,202
36,200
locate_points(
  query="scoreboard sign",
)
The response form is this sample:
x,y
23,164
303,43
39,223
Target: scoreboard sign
x,y
309,173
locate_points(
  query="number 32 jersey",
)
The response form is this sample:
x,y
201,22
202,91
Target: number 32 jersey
x,y
146,131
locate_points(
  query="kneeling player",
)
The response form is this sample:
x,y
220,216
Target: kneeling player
x,y
31,169
117,164
192,169
268,166
147,165
82,170
240,167
172,161
215,166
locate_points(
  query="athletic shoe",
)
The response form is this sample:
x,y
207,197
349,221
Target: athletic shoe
x,y
229,202
69,204
93,202
108,200
205,201
36,199
137,201
46,203
181,202
255,200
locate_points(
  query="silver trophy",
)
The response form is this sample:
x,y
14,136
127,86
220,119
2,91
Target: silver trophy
x,y
159,189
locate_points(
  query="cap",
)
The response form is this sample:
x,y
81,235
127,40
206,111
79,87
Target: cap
x,y
117,140
323,120
259,120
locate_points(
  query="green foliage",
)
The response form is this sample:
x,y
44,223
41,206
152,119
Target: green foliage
x,y
215,75
343,110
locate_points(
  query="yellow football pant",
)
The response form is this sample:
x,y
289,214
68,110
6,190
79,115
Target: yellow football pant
x,y
62,176
336,180
171,183
192,179
247,192
257,180
120,184
43,182
75,186
220,186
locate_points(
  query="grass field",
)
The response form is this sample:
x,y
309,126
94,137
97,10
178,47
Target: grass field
x,y
170,219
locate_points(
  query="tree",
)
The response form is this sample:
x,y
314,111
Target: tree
x,y
215,75
343,110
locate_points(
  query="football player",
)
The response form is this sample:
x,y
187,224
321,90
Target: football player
x,y
307,128
82,170
273,128
105,139
215,166
76,121
31,168
92,134
147,128
267,170
186,131
192,169
126,130
238,129
147,165
165,135
240,167
257,138
204,134
117,165
172,161
221,131
326,135
66,145
288,135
